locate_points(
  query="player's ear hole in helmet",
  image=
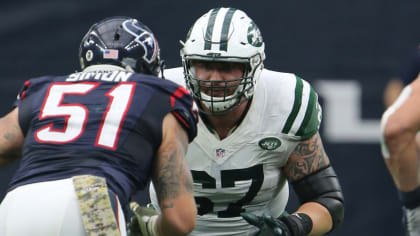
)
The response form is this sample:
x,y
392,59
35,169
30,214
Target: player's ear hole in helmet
x,y
124,42
223,35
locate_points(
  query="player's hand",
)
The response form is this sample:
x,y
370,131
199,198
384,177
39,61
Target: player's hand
x,y
142,223
267,224
290,225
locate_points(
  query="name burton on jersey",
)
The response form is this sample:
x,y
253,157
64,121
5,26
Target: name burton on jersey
x,y
109,76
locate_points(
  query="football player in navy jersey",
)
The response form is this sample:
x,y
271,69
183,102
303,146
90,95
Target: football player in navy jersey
x,y
89,140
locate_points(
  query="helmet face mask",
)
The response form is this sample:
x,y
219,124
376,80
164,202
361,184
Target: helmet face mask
x,y
220,96
123,42
225,35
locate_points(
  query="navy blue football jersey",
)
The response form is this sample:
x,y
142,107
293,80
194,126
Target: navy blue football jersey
x,y
106,124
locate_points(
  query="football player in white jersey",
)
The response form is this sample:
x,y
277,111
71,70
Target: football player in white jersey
x,y
400,125
258,131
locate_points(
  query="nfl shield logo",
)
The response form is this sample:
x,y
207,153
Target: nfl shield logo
x,y
220,153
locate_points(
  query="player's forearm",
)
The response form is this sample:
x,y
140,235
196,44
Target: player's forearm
x,y
399,126
179,219
178,213
402,163
398,135
167,228
11,138
8,153
321,218
403,166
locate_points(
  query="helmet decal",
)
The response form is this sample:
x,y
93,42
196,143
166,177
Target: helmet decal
x,y
142,37
109,54
225,29
254,35
209,31
220,25
89,55
121,41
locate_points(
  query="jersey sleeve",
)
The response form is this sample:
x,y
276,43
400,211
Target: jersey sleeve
x,y
22,94
185,111
306,114
24,106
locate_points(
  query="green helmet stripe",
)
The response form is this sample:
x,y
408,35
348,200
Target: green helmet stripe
x,y
308,113
225,29
296,106
209,30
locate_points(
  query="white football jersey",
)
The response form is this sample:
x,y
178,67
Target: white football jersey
x,y
243,171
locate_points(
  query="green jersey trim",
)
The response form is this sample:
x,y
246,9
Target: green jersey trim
x,y
311,121
296,106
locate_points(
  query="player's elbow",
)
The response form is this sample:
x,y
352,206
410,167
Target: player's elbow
x,y
396,136
393,130
184,227
188,214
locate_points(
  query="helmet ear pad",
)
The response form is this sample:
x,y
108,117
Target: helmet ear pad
x,y
121,41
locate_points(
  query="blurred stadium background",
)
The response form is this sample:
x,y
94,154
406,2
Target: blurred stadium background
x,y
347,49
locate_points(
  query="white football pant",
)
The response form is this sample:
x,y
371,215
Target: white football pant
x,y
45,209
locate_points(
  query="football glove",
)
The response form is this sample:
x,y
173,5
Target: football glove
x,y
143,222
298,224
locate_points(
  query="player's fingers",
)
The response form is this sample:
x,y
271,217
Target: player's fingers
x,y
252,219
269,221
134,206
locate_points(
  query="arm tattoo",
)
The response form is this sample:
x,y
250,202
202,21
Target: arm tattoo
x,y
308,157
14,153
9,136
172,174
168,177
11,141
188,181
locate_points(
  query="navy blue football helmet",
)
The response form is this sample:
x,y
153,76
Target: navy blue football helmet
x,y
124,42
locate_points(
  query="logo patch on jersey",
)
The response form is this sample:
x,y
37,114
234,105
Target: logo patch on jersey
x,y
269,143
220,153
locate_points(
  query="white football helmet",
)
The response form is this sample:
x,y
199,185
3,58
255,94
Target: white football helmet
x,y
223,35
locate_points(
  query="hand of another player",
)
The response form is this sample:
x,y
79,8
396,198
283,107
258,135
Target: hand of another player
x,y
140,223
286,225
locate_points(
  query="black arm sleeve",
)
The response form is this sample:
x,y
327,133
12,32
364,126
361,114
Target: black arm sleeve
x,y
322,187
